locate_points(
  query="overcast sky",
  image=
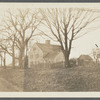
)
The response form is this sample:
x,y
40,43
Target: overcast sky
x,y
83,45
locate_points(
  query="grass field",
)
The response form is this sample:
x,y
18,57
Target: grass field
x,y
63,79
75,79
14,76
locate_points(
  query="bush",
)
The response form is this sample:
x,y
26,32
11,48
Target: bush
x,y
73,62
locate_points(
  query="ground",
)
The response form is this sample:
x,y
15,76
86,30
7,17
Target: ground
x,y
61,79
6,86
80,78
11,80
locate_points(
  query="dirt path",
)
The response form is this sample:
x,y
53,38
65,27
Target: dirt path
x,y
6,86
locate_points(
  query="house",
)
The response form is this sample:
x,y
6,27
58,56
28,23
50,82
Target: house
x,y
84,60
45,53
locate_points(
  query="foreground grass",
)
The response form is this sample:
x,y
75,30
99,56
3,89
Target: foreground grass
x,y
62,79
74,79
13,76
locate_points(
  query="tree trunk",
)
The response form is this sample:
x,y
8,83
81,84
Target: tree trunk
x,y
13,56
67,62
20,64
21,58
1,61
21,61
13,64
26,57
26,62
5,59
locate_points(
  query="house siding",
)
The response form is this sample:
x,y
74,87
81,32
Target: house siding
x,y
59,58
46,54
35,56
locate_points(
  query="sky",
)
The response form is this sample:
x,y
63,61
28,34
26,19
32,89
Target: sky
x,y
83,45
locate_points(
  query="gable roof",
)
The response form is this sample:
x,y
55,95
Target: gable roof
x,y
85,57
49,51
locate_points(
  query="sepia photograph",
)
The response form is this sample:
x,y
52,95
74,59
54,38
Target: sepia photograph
x,y
49,47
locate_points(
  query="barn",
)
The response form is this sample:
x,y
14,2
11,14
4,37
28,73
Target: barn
x,y
84,60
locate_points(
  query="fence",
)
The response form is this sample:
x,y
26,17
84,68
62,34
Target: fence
x,y
48,65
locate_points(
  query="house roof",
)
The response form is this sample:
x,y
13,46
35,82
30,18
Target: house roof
x,y
51,55
49,51
85,57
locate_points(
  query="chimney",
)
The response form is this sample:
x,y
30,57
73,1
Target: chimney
x,y
47,42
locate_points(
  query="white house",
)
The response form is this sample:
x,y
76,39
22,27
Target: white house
x,y
45,53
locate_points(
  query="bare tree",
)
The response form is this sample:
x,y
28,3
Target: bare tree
x,y
2,58
66,25
8,45
21,25
96,55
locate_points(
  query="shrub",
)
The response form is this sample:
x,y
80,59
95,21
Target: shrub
x,y
73,62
